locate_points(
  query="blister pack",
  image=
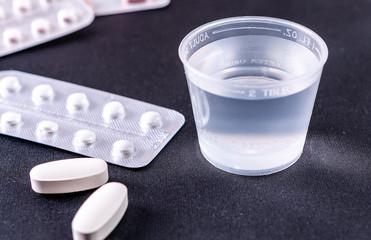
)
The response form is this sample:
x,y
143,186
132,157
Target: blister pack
x,y
27,23
109,7
83,120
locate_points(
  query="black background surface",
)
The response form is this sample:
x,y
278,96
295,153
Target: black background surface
x,y
325,195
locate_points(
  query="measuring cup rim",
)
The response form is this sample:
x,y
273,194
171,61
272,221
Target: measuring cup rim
x,y
260,19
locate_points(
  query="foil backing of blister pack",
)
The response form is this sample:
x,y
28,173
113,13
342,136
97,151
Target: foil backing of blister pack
x,y
27,23
83,120
109,7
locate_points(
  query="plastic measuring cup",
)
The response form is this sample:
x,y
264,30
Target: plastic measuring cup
x,y
252,83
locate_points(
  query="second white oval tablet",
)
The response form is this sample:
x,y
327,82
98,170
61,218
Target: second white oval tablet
x,y
101,212
69,175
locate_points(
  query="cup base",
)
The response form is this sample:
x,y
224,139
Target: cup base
x,y
250,172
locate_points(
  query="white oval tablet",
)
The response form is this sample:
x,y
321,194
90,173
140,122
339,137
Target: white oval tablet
x,y
67,17
10,85
69,175
122,149
47,129
113,110
150,120
101,212
42,93
11,120
84,138
12,36
77,102
40,27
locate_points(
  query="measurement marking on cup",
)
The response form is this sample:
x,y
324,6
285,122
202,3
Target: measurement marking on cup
x,y
197,40
248,28
303,39
274,92
266,62
291,33
252,93
307,41
235,62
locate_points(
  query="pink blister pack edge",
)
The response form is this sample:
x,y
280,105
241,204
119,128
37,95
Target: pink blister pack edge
x,y
22,22
110,7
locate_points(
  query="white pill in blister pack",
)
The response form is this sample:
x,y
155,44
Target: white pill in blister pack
x,y
67,17
40,27
122,149
87,121
9,85
113,110
27,23
84,138
22,7
109,7
42,93
150,120
46,3
77,102
11,120
47,129
12,36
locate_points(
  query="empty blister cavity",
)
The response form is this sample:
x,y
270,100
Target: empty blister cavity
x,y
86,121
40,27
77,102
11,120
47,129
9,85
21,7
67,17
150,120
113,110
12,36
42,93
122,149
84,138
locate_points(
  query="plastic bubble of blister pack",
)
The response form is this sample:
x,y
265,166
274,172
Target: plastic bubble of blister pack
x,y
27,23
83,120
109,7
